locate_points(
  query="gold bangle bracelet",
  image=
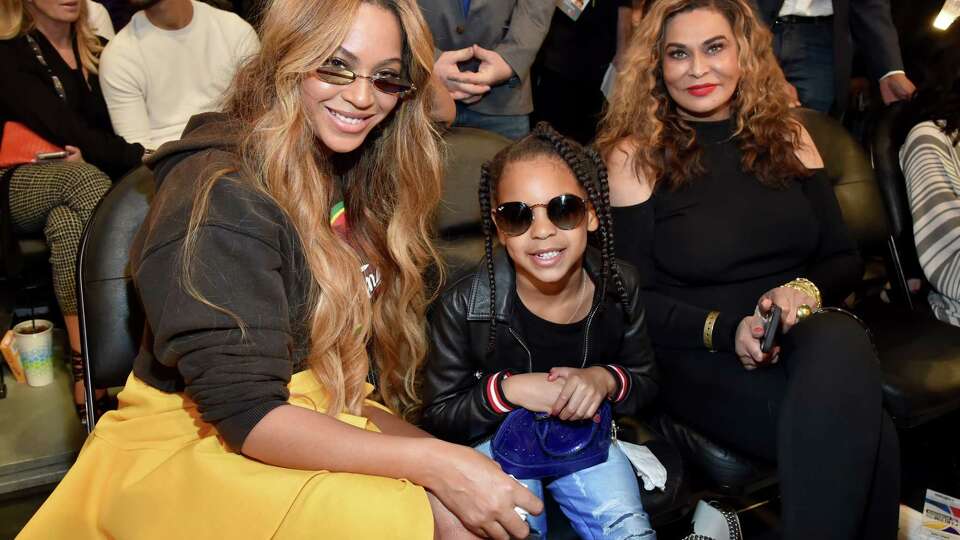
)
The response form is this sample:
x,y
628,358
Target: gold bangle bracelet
x,y
708,326
808,288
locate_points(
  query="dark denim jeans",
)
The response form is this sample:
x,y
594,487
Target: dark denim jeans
x,y
510,126
805,51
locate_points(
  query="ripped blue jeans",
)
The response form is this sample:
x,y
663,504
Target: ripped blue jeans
x,y
602,502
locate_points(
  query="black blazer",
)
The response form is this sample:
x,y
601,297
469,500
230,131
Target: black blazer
x,y
868,24
27,95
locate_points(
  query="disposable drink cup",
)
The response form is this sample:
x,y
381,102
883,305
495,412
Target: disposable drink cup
x,y
35,343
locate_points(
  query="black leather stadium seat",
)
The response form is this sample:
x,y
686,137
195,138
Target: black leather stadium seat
x,y
111,319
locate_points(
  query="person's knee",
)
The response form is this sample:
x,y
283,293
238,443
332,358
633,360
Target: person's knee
x,y
86,185
836,344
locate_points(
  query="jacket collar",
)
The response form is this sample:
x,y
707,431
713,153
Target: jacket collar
x,y
505,278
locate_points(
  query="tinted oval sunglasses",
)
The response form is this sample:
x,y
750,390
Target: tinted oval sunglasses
x,y
565,211
388,84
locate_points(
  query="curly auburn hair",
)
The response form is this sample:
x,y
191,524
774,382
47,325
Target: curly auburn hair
x,y
642,113
591,173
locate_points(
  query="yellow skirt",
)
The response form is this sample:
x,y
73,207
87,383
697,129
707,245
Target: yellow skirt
x,y
154,469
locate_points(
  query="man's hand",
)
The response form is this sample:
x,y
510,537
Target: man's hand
x,y
896,87
460,88
493,69
793,98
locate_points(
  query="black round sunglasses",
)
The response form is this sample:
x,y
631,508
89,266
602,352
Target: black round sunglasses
x,y
565,211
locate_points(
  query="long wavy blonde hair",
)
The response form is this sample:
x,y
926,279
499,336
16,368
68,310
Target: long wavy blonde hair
x,y
391,193
642,112
15,21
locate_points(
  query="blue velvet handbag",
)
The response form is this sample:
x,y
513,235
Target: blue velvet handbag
x,y
535,445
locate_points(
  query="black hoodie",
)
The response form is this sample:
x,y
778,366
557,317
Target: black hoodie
x,y
248,260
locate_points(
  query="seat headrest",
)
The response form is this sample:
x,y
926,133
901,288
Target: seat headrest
x,y
847,167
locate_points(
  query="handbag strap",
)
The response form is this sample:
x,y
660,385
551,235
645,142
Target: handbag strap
x,y
542,428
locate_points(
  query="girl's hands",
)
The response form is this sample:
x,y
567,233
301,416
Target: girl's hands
x,y
788,299
533,391
473,488
583,391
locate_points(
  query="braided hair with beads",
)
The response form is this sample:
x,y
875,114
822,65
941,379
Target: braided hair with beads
x,y
591,174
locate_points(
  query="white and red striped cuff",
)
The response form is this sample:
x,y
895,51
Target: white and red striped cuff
x,y
623,380
494,393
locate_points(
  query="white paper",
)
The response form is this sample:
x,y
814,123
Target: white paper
x,y
648,467
609,80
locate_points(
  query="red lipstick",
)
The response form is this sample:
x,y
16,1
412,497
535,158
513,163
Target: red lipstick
x,y
701,90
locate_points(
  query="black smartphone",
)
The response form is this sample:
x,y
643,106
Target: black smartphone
x,y
51,156
770,329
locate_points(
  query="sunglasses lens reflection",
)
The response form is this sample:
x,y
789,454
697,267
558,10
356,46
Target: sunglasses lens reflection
x,y
566,211
514,218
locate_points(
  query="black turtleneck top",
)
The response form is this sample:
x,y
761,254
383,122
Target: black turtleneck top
x,y
724,239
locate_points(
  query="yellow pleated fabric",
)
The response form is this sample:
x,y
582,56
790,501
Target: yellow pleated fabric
x,y
154,470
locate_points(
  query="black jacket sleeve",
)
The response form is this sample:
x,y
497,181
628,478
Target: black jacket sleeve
x,y
636,356
838,267
459,398
875,34
236,373
27,96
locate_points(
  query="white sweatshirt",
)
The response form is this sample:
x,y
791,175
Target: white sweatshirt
x,y
154,80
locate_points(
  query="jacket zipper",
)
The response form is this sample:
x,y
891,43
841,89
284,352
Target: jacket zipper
x,y
524,345
586,336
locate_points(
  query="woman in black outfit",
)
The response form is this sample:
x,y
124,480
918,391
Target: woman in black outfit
x,y
48,82
720,199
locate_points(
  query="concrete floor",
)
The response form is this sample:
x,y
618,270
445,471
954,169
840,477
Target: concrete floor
x,y
40,436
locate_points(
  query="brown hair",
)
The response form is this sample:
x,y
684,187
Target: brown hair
x,y
642,112
391,194
16,21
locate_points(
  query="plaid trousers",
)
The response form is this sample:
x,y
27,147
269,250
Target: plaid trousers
x,y
57,198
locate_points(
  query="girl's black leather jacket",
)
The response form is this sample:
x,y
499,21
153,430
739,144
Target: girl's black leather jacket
x,y
463,399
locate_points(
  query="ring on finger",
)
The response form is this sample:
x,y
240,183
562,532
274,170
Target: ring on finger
x,y
803,311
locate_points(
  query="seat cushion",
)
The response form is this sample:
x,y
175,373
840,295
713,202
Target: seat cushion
x,y
726,469
920,360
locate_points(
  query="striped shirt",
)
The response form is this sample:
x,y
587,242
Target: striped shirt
x,y
931,167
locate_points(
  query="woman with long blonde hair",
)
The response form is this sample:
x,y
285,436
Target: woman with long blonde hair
x,y
49,85
720,198
280,273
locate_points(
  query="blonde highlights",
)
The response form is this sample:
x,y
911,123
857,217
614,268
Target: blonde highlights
x,y
16,20
390,190
642,113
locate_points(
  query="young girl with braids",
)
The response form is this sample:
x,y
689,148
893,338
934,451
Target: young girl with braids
x,y
548,324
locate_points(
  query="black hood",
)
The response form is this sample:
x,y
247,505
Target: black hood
x,y
205,131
